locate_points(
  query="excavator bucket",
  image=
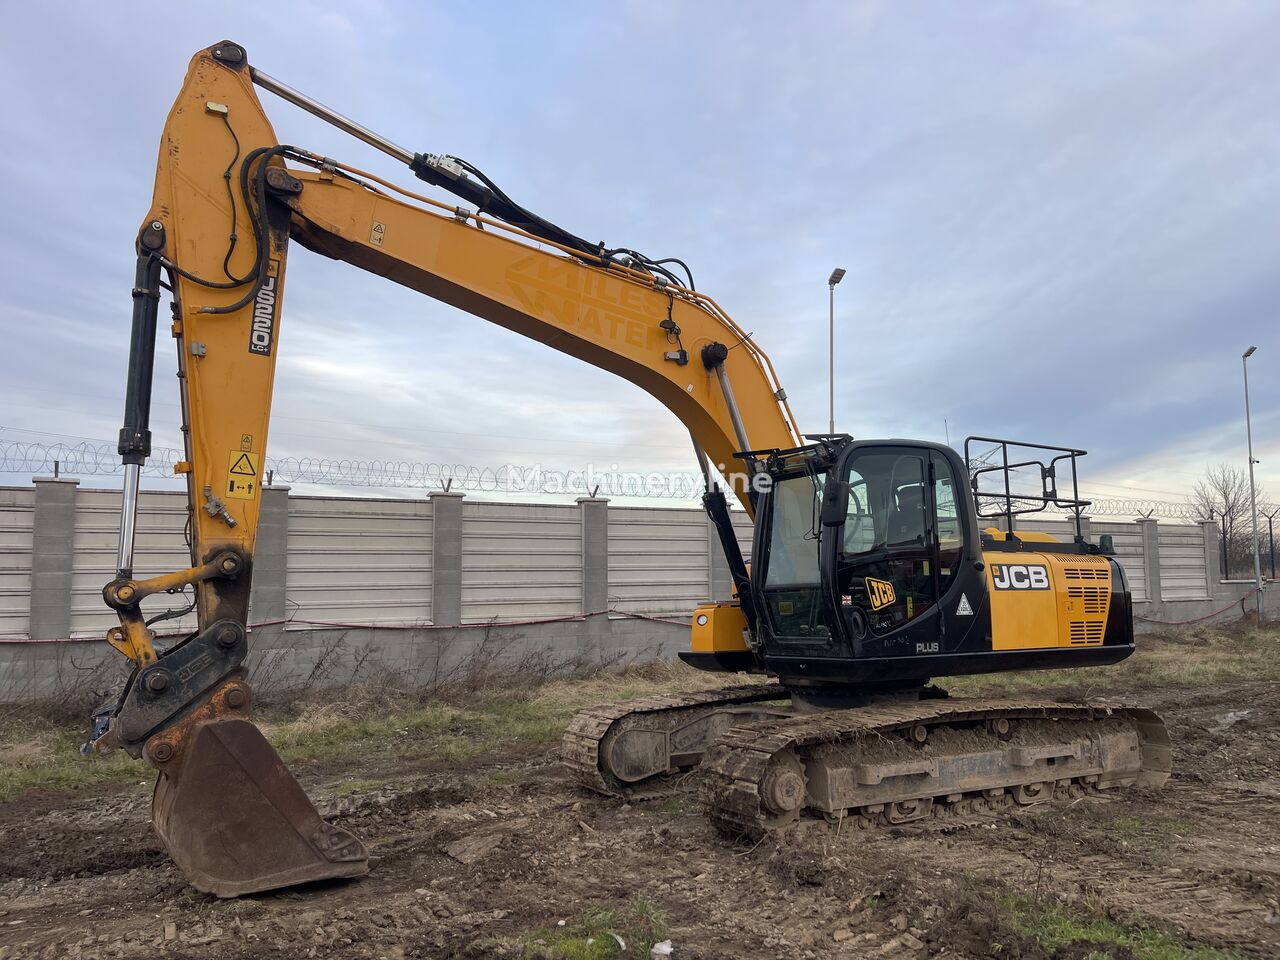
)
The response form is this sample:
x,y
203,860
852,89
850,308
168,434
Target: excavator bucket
x,y
236,821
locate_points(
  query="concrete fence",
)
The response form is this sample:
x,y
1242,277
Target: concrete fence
x,y
443,560
405,577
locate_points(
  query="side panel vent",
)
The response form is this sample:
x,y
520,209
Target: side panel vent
x,y
1092,599
1084,633
1086,573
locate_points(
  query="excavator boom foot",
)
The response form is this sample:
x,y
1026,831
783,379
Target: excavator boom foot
x,y
235,820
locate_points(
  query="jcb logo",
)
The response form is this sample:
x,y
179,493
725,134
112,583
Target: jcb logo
x,y
880,593
1019,576
195,666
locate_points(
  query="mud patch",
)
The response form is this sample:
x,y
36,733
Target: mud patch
x,y
477,862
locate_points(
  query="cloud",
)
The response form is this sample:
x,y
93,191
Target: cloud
x,y
1060,221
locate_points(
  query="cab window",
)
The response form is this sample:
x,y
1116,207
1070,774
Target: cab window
x,y
791,578
950,533
859,527
884,568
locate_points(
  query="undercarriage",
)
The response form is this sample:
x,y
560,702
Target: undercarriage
x,y
767,759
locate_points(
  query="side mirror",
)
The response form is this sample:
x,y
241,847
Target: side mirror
x,y
835,502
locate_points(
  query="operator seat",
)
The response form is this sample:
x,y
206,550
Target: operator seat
x,y
906,523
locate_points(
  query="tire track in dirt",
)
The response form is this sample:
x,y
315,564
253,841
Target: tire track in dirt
x,y
85,878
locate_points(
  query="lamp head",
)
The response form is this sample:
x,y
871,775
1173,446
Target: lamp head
x,y
1248,353
836,276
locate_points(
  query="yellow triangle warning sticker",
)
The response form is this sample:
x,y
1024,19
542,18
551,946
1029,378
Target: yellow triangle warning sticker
x,y
243,470
244,466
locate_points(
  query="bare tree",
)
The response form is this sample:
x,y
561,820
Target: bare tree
x,y
1223,496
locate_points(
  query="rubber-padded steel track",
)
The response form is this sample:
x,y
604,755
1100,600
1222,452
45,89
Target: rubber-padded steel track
x,y
736,766
583,747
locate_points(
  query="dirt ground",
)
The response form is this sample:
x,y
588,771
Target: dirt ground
x,y
1193,871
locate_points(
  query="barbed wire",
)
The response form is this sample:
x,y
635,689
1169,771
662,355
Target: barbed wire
x,y
99,458
84,459
93,458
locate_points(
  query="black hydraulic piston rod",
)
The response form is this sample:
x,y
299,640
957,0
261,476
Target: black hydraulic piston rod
x,y
717,507
135,435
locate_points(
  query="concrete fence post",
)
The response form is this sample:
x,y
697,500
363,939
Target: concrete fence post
x,y
720,582
1212,556
446,558
1086,529
52,550
271,556
594,512
1150,528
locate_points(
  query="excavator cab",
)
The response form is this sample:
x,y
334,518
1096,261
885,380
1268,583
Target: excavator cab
x,y
871,570
862,553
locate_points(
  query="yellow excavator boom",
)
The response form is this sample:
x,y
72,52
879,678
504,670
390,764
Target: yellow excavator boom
x,y
228,199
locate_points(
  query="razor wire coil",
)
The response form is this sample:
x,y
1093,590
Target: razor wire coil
x,y
94,458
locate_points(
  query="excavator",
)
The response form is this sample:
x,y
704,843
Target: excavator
x,y
871,573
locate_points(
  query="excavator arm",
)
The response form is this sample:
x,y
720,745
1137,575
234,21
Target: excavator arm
x,y
228,199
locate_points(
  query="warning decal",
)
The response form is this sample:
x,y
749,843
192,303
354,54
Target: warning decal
x,y
242,475
962,608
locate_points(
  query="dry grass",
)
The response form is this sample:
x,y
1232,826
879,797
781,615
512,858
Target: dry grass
x,y
400,723
1199,656
39,754
24,754
358,722
642,680
499,713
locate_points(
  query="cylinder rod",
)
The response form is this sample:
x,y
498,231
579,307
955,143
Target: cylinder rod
x,y
128,521
735,415
299,99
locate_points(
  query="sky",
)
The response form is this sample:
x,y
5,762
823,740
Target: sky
x,y
1060,220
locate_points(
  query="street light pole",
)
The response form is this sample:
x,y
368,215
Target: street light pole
x,y
836,276
1253,492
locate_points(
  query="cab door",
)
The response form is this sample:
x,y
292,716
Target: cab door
x,y
901,565
793,603
886,553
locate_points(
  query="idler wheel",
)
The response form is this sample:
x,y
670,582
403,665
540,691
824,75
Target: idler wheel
x,y
783,788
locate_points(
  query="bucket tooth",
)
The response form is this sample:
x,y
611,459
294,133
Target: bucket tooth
x,y
236,821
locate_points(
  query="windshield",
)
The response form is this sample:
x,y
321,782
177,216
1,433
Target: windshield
x,y
793,531
791,578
